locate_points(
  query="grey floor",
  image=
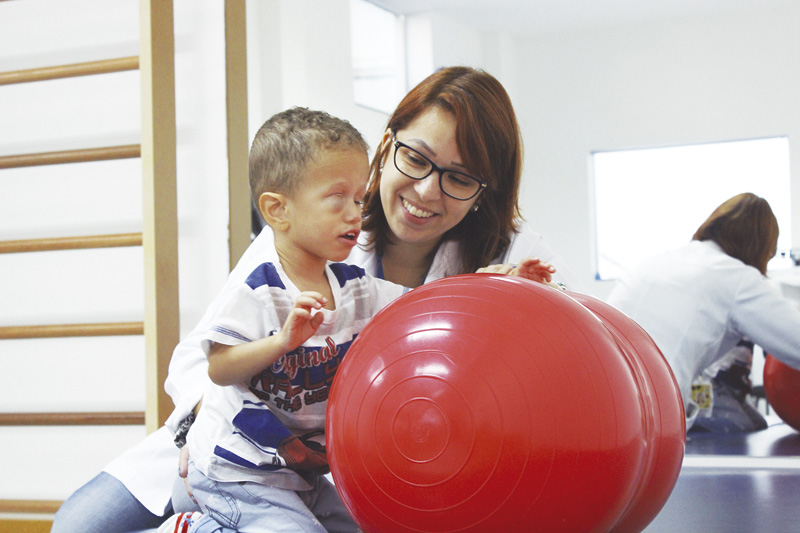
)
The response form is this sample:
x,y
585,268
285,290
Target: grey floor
x,y
737,483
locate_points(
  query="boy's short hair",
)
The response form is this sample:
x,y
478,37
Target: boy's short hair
x,y
286,143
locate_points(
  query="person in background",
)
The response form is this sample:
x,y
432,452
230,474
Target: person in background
x,y
456,127
727,390
699,301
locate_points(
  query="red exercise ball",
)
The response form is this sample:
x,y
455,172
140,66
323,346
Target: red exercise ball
x,y
782,388
664,411
482,402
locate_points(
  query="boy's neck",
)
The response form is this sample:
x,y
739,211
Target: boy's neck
x,y
306,271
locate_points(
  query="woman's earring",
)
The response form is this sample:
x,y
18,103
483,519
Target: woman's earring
x,y
475,207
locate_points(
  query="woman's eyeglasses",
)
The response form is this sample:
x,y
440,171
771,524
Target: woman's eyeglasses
x,y
416,166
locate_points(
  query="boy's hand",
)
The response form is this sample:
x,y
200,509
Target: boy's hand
x,y
530,268
229,365
302,321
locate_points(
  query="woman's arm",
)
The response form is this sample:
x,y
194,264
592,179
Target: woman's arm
x,y
188,367
768,319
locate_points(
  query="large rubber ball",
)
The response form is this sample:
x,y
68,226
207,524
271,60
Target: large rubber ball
x,y
782,389
492,403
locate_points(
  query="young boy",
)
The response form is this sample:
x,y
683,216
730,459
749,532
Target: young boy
x,y
257,447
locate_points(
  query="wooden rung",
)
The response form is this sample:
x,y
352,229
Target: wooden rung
x,y
89,68
132,418
71,243
23,525
72,330
128,151
29,506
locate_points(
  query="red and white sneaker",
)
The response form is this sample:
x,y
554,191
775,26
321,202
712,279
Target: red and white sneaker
x,y
179,523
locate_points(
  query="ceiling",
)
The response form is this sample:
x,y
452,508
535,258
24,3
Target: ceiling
x,y
555,16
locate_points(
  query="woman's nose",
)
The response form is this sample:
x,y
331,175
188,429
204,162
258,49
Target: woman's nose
x,y
428,188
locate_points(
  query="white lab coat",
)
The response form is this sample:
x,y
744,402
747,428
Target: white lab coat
x,y
697,302
148,469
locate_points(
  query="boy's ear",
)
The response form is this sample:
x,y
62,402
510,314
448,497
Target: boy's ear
x,y
273,208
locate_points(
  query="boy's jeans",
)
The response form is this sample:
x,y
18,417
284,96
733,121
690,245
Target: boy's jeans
x,y
251,507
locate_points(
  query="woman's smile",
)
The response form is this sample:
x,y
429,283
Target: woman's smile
x,y
416,211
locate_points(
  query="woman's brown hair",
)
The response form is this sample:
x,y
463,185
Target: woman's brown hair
x,y
489,142
745,228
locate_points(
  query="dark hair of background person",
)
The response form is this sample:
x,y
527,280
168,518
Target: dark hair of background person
x,y
745,228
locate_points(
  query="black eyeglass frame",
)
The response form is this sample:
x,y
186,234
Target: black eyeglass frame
x,y
434,168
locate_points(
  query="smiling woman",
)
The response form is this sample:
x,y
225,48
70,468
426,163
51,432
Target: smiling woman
x,y
458,118
417,211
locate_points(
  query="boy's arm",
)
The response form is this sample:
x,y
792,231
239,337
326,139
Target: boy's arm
x,y
229,365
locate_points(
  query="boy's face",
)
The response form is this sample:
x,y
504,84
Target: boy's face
x,y
325,211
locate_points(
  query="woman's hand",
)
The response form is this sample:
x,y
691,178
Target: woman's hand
x,y
183,470
531,268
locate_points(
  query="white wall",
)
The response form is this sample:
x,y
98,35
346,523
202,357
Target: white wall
x,y
299,55
702,80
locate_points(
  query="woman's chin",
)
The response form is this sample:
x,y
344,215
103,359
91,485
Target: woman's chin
x,y
416,235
